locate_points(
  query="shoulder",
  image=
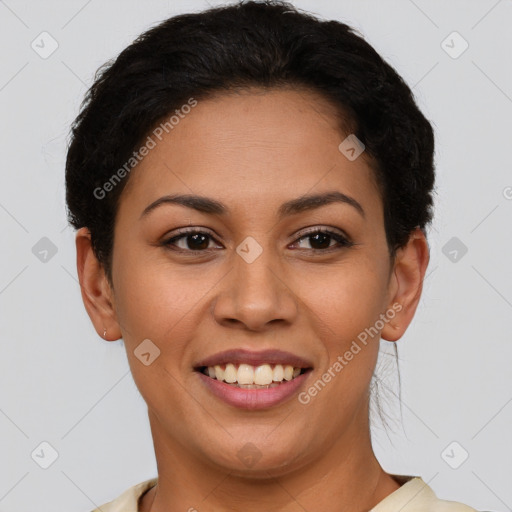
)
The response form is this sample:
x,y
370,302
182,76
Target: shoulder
x,y
416,496
452,506
128,501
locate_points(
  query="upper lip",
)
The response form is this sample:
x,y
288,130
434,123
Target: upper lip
x,y
241,356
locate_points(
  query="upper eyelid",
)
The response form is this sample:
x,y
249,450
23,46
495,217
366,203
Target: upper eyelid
x,y
302,232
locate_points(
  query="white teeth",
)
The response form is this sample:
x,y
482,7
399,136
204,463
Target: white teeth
x,y
248,376
219,372
245,374
263,375
278,373
230,373
288,372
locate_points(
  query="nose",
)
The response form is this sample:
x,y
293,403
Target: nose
x,y
255,296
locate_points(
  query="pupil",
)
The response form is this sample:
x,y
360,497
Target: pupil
x,y
197,237
323,237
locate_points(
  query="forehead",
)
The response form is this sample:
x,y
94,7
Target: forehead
x,y
257,146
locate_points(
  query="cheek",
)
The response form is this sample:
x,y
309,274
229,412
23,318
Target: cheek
x,y
154,303
345,313
347,298
159,302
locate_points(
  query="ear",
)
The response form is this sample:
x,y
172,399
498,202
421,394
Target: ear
x,y
406,284
96,292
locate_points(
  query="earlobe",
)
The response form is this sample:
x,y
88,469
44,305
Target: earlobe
x,y
95,289
406,284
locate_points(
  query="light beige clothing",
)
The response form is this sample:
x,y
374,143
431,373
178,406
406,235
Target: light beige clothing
x,y
413,496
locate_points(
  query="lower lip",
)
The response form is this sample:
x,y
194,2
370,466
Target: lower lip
x,y
254,398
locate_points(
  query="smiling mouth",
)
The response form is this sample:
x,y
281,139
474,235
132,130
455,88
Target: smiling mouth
x,y
247,376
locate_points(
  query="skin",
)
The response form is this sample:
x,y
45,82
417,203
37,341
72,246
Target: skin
x,y
253,151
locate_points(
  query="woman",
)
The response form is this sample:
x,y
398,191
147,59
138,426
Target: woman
x,y
251,188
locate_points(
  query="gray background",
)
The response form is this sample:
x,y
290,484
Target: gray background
x,y
61,384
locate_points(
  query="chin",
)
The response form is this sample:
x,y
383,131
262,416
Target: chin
x,y
258,460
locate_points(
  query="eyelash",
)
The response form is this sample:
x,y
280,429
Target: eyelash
x,y
343,242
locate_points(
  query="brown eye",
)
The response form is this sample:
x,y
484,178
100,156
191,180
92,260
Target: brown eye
x,y
191,241
320,240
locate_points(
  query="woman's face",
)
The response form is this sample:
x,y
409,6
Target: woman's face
x,y
253,276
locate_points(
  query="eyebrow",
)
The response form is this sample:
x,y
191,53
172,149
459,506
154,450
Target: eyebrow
x,y
213,207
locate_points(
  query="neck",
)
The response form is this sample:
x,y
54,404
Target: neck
x,y
347,476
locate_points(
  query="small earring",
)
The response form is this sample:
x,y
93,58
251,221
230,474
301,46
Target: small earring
x,y
105,333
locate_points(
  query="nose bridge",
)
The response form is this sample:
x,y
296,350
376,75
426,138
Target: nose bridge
x,y
255,294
